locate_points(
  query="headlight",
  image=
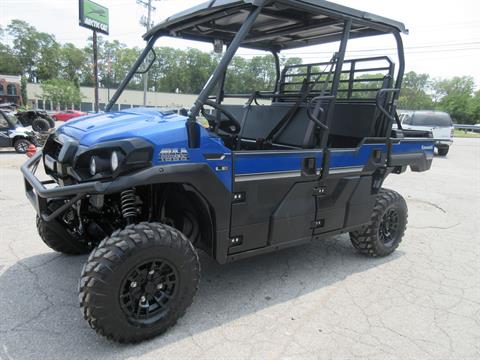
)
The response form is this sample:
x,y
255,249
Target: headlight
x,y
114,161
93,166
111,159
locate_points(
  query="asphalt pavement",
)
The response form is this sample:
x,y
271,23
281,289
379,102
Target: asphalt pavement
x,y
318,301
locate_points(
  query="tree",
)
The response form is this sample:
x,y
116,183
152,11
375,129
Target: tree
x,y
23,82
8,62
414,94
474,108
73,62
62,93
36,53
455,97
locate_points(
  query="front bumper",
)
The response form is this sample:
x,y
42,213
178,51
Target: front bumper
x,y
38,191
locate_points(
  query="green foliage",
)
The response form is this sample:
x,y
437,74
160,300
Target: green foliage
x,y
415,92
456,98
73,63
62,93
37,53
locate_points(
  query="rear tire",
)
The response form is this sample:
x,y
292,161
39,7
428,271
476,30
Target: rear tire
x,y
58,238
387,226
443,151
138,282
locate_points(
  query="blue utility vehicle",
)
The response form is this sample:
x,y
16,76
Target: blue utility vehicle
x,y
143,190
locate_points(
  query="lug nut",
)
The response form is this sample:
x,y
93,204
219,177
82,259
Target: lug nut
x,y
160,286
143,299
151,272
133,284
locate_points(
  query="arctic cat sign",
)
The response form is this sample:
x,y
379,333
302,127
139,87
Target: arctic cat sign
x,y
93,16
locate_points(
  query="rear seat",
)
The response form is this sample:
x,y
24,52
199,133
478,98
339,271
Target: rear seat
x,y
352,122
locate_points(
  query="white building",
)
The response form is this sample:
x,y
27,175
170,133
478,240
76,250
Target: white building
x,y
128,99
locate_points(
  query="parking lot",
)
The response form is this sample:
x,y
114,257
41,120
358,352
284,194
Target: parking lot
x,y
319,301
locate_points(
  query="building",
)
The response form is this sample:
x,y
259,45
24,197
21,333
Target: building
x,y
128,99
10,89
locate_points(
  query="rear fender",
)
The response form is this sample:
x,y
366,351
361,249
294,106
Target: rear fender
x,y
418,154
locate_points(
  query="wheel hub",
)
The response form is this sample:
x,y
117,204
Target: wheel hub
x,y
148,290
388,230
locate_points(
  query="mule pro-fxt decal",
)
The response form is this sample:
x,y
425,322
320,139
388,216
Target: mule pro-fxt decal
x,y
173,154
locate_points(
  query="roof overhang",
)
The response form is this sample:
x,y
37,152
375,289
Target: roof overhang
x,y
282,24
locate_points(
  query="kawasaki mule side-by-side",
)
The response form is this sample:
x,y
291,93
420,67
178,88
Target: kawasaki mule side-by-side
x,y
142,190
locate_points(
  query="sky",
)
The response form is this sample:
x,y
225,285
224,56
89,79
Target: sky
x,y
444,37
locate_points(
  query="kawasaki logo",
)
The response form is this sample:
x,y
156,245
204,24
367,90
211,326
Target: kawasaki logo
x,y
427,147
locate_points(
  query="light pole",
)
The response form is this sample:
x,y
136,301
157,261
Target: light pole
x,y
147,22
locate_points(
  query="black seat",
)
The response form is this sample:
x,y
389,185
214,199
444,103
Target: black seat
x,y
261,119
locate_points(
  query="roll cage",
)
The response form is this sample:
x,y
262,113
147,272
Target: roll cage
x,y
277,25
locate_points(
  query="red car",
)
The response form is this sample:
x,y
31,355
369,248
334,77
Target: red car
x,y
67,115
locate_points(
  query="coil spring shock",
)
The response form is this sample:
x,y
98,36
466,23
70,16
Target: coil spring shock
x,y
128,202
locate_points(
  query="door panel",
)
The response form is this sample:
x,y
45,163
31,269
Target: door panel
x,y
275,197
4,138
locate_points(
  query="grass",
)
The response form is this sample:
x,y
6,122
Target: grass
x,y
463,134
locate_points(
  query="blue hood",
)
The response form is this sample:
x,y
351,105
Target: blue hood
x,y
149,124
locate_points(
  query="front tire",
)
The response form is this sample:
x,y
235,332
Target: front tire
x,y
138,282
21,145
387,226
56,236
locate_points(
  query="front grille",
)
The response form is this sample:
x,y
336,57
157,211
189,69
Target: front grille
x,y
52,147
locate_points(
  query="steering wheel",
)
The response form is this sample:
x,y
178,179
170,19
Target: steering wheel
x,y
227,127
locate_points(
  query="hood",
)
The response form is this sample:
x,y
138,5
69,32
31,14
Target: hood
x,y
149,124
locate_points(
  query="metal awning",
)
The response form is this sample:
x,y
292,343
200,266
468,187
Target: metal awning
x,y
282,24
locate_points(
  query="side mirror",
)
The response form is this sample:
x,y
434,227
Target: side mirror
x,y
218,46
147,62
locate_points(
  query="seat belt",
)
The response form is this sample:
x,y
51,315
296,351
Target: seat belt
x,y
247,107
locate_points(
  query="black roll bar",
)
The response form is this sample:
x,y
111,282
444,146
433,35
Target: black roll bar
x,y
336,81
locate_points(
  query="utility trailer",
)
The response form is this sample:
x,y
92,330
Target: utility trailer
x,y
142,191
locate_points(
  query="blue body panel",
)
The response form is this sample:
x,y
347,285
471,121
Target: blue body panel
x,y
167,131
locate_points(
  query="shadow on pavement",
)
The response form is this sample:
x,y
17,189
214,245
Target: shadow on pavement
x,y
41,317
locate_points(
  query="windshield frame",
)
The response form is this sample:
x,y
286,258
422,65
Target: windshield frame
x,y
11,119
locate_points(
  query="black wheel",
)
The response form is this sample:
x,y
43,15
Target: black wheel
x,y
21,145
138,282
41,125
387,226
57,237
443,150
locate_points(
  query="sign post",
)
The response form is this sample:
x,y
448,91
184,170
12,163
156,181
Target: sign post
x,y
95,17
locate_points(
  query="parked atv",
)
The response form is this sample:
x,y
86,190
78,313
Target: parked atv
x,y
143,190
12,134
39,120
